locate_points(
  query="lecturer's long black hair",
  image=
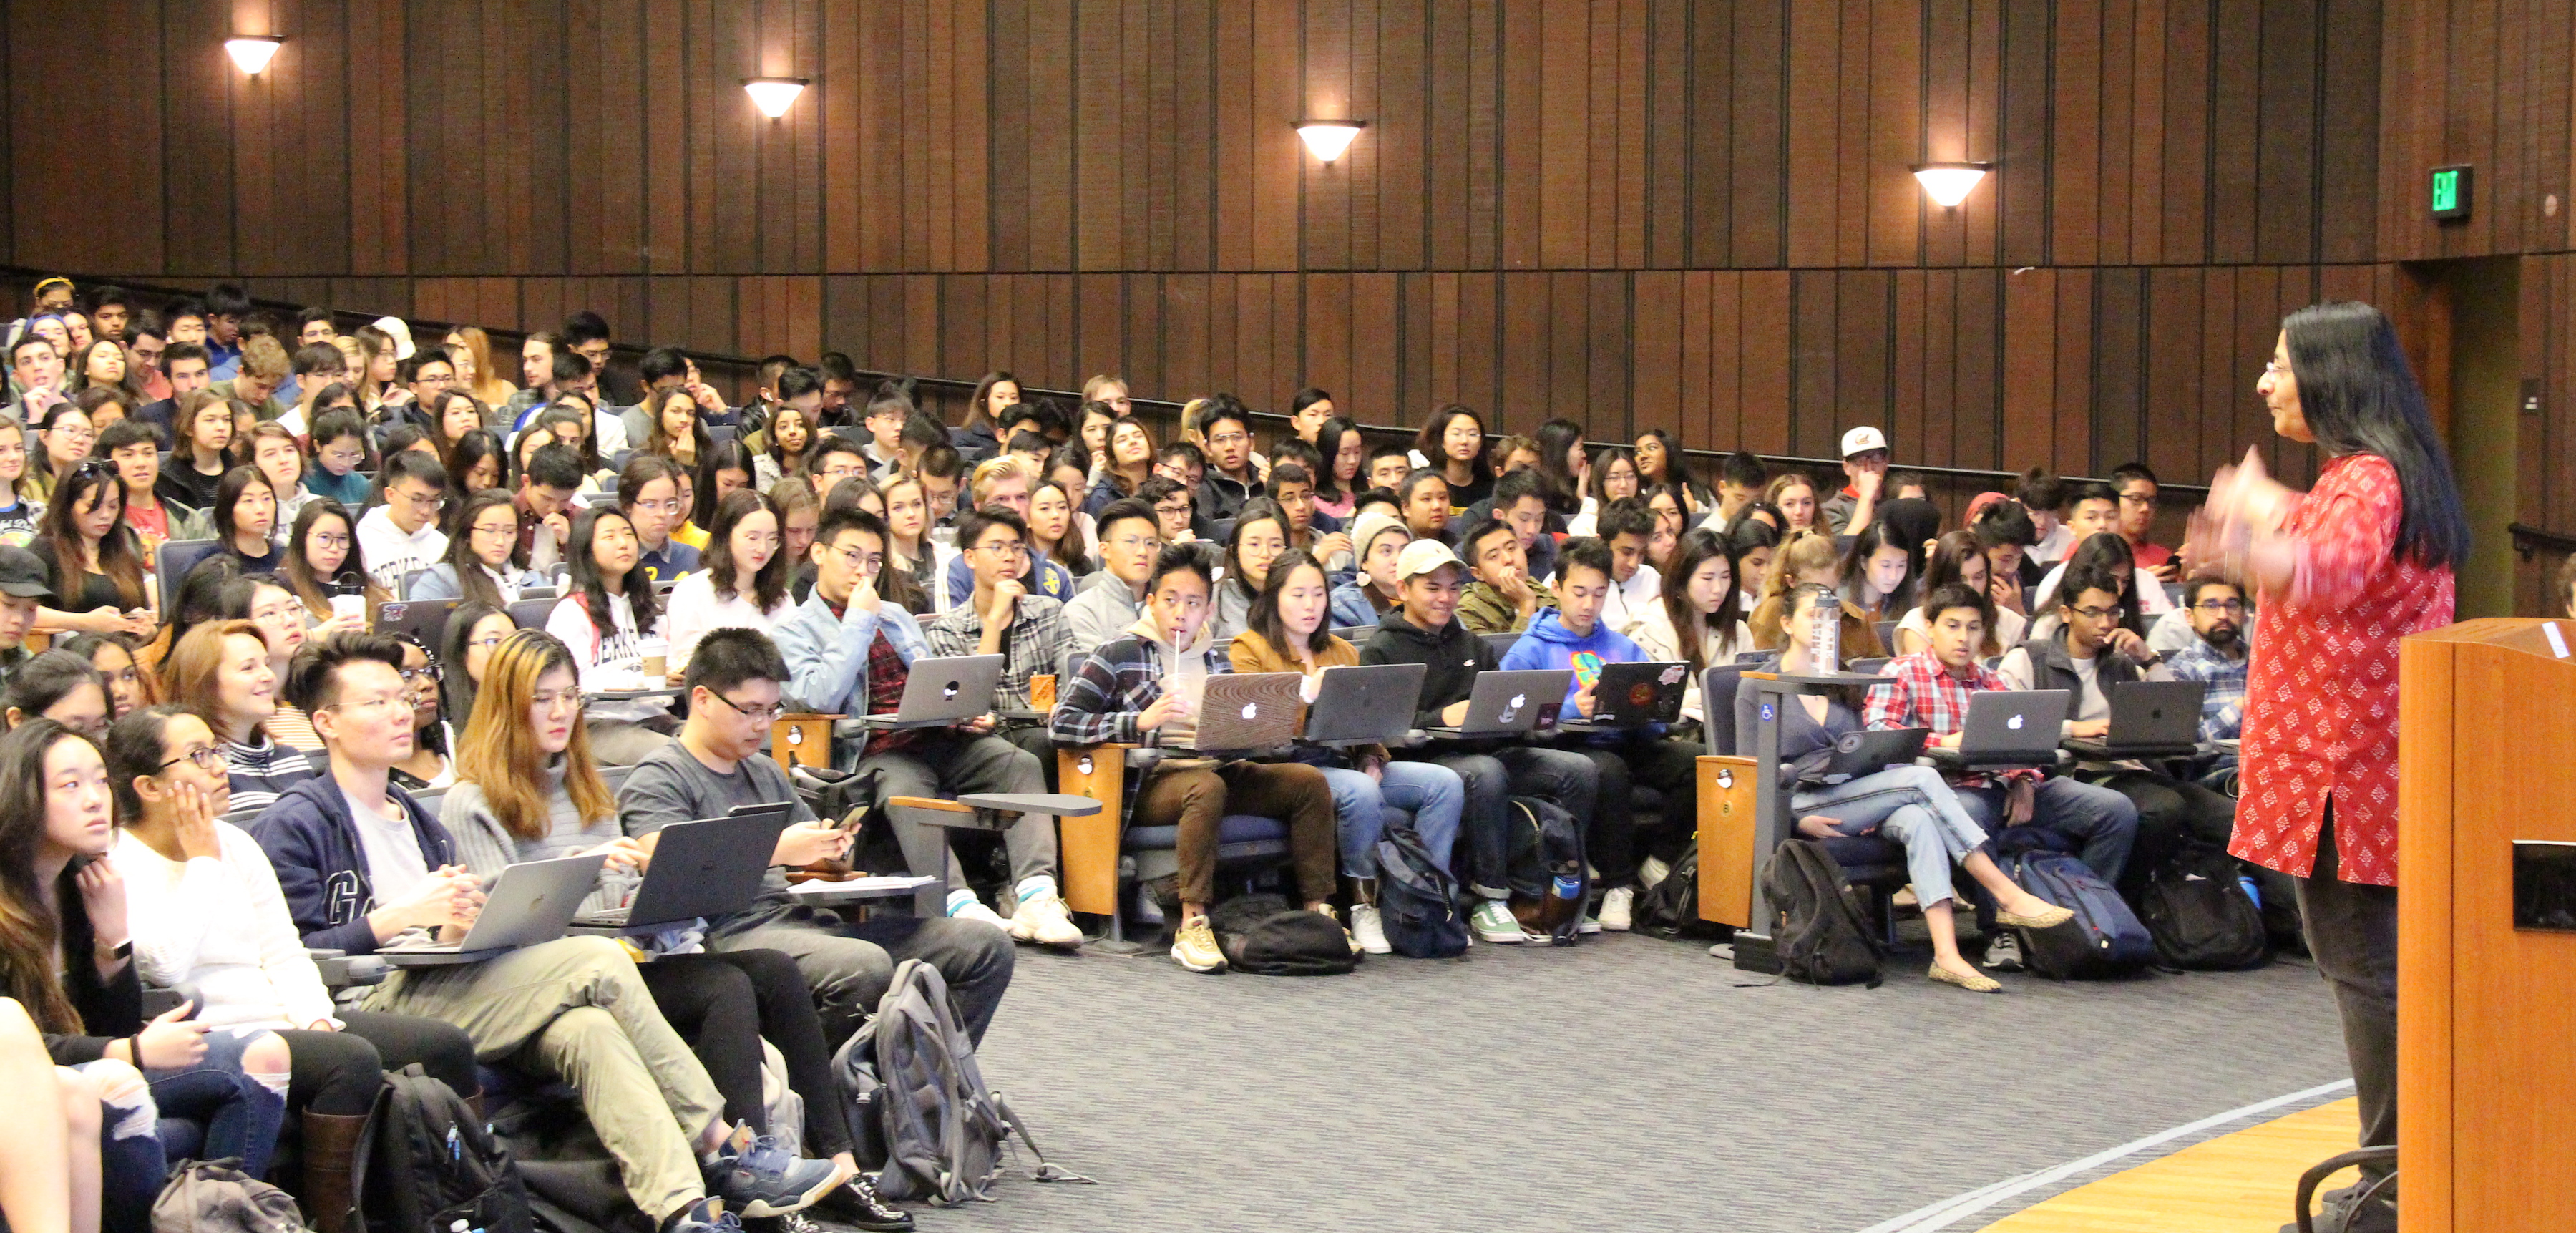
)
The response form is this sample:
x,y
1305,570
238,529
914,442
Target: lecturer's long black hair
x,y
2359,396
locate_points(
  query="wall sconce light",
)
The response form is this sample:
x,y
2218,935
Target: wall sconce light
x,y
253,52
774,95
1326,139
1948,184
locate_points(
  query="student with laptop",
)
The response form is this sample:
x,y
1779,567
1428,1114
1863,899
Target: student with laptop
x,y
1002,617
363,866
1910,805
1425,630
1932,690
2089,655
1572,635
528,790
1144,687
1287,634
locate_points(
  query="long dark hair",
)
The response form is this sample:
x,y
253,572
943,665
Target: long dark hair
x,y
769,586
1328,442
1556,439
28,929
1264,617
120,556
47,679
455,684
471,580
978,415
1855,568
728,455
586,577
1696,548
1599,474
298,571
1258,509
469,451
2359,396
1949,567
228,493
1428,441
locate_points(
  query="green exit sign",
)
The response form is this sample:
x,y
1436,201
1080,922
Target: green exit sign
x,y
2451,192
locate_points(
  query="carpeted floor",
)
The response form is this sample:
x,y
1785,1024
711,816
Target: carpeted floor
x,y
1628,1083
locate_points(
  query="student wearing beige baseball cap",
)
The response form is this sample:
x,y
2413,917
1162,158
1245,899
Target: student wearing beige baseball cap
x,y
1865,457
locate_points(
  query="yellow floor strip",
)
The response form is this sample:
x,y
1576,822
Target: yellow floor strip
x,y
2236,1183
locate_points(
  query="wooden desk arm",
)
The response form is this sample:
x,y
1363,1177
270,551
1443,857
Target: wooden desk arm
x,y
802,740
1088,846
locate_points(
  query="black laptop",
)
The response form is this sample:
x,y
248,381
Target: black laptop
x,y
1635,695
2149,719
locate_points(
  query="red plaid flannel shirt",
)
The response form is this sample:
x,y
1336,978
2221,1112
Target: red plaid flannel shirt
x,y
1920,693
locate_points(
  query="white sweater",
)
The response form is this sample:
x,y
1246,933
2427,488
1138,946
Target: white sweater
x,y
695,611
219,925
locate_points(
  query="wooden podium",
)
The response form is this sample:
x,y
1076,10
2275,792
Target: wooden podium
x,y
2486,1011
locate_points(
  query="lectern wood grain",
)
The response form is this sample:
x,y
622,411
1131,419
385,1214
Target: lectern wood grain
x,y
1727,861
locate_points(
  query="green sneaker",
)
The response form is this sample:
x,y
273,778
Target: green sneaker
x,y
1494,922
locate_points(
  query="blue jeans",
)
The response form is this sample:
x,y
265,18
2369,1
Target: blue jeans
x,y
132,1166
1433,793
240,1116
2102,823
1911,806
1563,776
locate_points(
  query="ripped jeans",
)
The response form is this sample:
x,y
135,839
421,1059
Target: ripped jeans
x,y
219,1106
132,1165
1911,806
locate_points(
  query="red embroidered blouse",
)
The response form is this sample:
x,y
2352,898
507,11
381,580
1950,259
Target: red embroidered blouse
x,y
2321,693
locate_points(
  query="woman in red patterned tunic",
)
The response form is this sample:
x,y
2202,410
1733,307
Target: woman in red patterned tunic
x,y
2344,571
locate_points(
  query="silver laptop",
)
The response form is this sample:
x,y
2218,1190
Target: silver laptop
x,y
939,692
2013,726
530,902
1510,703
2150,719
705,868
1248,710
1364,704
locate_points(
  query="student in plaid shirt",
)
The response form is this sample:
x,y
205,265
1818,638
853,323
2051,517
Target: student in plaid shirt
x,y
1930,690
1002,618
2216,658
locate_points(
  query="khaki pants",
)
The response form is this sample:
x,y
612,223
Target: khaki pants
x,y
575,1008
1197,799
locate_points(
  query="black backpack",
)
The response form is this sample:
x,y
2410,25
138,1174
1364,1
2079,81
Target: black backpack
x,y
1819,933
1670,908
1261,935
1545,859
1417,900
2199,915
425,1162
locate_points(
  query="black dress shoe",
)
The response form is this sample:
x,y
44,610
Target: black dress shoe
x,y
858,1206
2338,1214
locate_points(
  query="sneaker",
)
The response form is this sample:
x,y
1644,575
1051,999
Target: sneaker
x,y
703,1216
1329,914
1492,921
974,909
2004,953
1651,871
1196,948
1369,929
1589,925
1043,919
1618,908
757,1177
858,1206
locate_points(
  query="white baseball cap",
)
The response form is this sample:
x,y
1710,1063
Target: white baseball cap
x,y
1862,440
1423,556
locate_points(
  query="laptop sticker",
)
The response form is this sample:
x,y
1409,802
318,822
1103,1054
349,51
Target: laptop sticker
x,y
948,692
1587,670
1512,709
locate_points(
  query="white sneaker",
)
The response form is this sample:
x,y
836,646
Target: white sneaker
x,y
975,910
1616,903
1371,931
1650,871
1043,919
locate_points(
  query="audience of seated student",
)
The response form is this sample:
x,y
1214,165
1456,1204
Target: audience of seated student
x,y
1234,473
452,414
2135,485
2141,596
339,449
1001,617
21,503
1175,512
1113,598
574,1008
725,466
1667,503
1960,557
1146,686
1388,464
609,578
2089,509
799,514
986,410
2005,533
544,505
2043,495
1452,445
1572,628
1424,630
2220,625
1878,573
528,790
220,670
1344,475
470,350
1740,477
432,764
675,433
1793,494
1806,557
23,590
264,601
1378,539
135,450
473,631
1504,596
1004,483
402,536
93,564
1512,453
1057,536
476,461
1319,535
2087,653
910,552
119,665
69,957
1754,544
1697,619
244,518
60,686
1909,805
207,917
1627,528
1931,690
1521,504
1865,458
684,529
323,565
778,449
742,582
1287,633
1660,465
201,441
1260,535
1092,420
478,563
280,457
833,459
1028,449
927,453
649,497
1566,462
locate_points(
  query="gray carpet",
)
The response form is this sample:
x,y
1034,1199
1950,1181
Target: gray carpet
x,y
1628,1083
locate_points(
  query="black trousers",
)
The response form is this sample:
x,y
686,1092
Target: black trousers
x,y
724,1005
2172,813
2352,932
1610,836
339,1073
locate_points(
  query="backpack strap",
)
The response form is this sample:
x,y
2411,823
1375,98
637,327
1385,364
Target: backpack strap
x,y
1045,1172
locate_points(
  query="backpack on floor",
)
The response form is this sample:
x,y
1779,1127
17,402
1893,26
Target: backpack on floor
x,y
1417,900
1262,936
1670,908
2104,939
214,1196
1819,933
1550,880
2199,915
918,1105
425,1161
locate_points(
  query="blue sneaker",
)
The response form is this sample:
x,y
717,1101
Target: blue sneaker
x,y
703,1216
757,1177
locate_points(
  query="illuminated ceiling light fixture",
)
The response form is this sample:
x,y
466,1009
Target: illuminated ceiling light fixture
x,y
774,95
1326,139
1948,184
253,52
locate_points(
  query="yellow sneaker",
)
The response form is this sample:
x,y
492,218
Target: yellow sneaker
x,y
1196,948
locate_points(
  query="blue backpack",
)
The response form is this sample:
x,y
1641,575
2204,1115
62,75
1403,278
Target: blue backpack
x,y
2104,939
1417,901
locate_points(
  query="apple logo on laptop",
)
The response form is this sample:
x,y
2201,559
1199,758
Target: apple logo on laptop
x,y
2013,723
948,692
1251,710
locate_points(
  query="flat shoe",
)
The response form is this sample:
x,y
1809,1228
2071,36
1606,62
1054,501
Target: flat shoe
x,y
1974,984
2049,919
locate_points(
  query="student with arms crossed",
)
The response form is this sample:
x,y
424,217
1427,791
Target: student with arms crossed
x,y
1000,617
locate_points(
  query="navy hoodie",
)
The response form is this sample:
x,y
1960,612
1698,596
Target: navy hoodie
x,y
321,864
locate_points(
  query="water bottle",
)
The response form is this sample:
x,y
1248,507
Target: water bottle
x,y
1826,636
1566,886
2247,881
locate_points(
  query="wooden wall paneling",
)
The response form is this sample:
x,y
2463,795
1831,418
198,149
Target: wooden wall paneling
x,y
1813,392
1410,381
1485,138
255,165
920,297
1657,372
792,161
2172,403
1378,344
1525,134
1973,431
2075,167
1193,131
1325,356
1437,308
1908,347
1480,344
9,159
1853,172
2408,85
1185,332
605,191
2558,396
2121,178
2145,188
1567,327
1863,362
534,96
1523,315
1754,174
1063,331
1946,132
196,110
2347,160
2183,205
1764,364
836,95
1224,331
2022,192
1713,329
1100,183
1278,155
1135,136
1052,107
1328,189
1897,124
2071,427
2234,148
1606,364
2258,325
2469,113
378,190
1253,331
970,69
1626,177
2222,383
1956,389
2554,134
1447,147
1366,165
966,325
1983,215
1234,151
2285,193
1666,145
1141,334
1814,106
1562,41
735,135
